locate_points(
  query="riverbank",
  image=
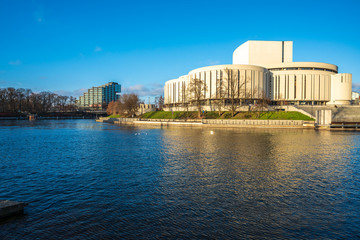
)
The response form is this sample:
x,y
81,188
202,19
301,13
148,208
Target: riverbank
x,y
267,119
242,115
49,116
245,123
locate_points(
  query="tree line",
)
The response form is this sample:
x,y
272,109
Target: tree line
x,y
128,105
22,100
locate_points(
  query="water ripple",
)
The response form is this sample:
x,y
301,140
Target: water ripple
x,y
86,180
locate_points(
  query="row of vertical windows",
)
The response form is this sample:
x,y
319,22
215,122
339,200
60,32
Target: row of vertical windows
x,y
302,68
282,87
214,82
301,88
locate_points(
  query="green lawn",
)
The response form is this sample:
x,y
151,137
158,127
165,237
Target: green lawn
x,y
273,115
170,115
227,115
116,116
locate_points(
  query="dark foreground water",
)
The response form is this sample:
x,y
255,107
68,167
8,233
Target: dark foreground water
x,y
87,180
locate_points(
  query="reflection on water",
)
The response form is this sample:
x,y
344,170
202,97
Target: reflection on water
x,y
93,180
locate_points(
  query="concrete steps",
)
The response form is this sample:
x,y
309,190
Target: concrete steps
x,y
11,208
349,113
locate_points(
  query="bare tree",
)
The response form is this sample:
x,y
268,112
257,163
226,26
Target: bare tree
x,y
3,100
250,96
196,92
72,104
35,103
219,104
235,91
131,102
184,96
159,103
220,99
24,100
119,107
262,102
20,98
110,108
27,94
127,104
281,99
11,97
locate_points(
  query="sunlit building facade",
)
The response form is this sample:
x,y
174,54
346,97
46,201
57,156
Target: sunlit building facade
x,y
265,69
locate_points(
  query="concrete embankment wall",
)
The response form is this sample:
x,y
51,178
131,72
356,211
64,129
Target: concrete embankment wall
x,y
11,208
214,122
158,122
114,120
257,123
341,113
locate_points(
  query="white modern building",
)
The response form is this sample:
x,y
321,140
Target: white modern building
x,y
355,98
264,69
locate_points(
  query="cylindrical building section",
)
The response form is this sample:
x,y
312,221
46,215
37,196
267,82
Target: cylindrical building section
x,y
302,82
174,90
341,88
221,82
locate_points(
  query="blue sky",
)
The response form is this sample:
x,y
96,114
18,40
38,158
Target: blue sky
x,y
69,46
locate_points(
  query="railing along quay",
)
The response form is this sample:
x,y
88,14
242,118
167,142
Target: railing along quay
x,y
347,125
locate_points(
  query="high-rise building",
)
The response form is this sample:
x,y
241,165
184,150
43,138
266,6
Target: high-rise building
x,y
99,97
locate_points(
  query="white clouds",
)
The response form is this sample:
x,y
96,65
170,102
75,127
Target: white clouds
x,y
17,62
152,90
210,62
5,83
216,62
75,93
141,90
97,49
356,86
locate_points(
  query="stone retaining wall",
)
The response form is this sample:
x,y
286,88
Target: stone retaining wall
x,y
297,123
215,122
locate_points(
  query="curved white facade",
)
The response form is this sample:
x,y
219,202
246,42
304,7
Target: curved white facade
x,y
221,82
341,88
271,75
302,82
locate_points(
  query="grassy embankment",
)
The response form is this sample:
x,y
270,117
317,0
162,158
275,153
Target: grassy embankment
x,y
115,116
227,115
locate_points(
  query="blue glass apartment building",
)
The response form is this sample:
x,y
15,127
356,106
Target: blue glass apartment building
x,y
100,97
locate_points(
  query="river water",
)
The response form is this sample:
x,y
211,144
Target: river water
x,y
88,180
